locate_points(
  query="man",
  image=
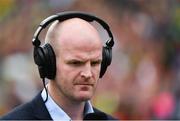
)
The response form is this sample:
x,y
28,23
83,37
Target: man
x,y
78,49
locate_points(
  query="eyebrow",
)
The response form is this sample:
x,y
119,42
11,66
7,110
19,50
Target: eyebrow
x,y
81,60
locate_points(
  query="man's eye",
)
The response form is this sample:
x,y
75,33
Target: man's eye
x,y
95,63
76,63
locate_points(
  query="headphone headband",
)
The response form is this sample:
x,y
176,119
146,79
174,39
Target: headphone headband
x,y
67,15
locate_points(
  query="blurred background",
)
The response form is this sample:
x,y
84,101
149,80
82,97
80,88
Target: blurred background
x,y
143,81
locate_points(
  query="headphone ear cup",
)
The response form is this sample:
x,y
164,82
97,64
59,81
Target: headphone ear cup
x,y
50,61
44,58
106,60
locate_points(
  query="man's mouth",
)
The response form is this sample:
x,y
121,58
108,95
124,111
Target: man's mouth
x,y
85,84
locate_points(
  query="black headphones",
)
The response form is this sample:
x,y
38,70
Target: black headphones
x,y
44,56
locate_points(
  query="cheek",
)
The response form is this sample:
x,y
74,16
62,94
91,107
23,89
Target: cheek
x,y
64,78
64,72
96,72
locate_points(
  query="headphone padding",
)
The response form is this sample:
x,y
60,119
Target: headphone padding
x,y
39,60
50,68
106,60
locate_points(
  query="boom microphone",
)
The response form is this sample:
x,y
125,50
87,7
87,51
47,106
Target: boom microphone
x,y
96,116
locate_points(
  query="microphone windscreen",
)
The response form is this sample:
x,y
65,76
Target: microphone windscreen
x,y
95,116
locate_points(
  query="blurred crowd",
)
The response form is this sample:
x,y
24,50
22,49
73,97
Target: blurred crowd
x,y
143,81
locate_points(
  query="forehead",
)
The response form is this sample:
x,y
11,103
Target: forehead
x,y
81,50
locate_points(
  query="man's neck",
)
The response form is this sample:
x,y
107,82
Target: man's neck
x,y
72,108
74,111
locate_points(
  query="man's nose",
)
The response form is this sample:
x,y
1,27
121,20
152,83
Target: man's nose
x,y
86,71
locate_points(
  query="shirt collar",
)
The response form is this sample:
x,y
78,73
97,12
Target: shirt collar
x,y
57,113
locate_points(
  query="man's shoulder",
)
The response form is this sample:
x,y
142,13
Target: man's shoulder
x,y
34,109
23,110
102,115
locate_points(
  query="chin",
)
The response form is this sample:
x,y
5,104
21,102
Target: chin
x,y
84,97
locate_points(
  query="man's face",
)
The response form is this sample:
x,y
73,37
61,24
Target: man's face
x,y
78,68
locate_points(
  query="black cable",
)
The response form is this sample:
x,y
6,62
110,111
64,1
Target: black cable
x,y
44,84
